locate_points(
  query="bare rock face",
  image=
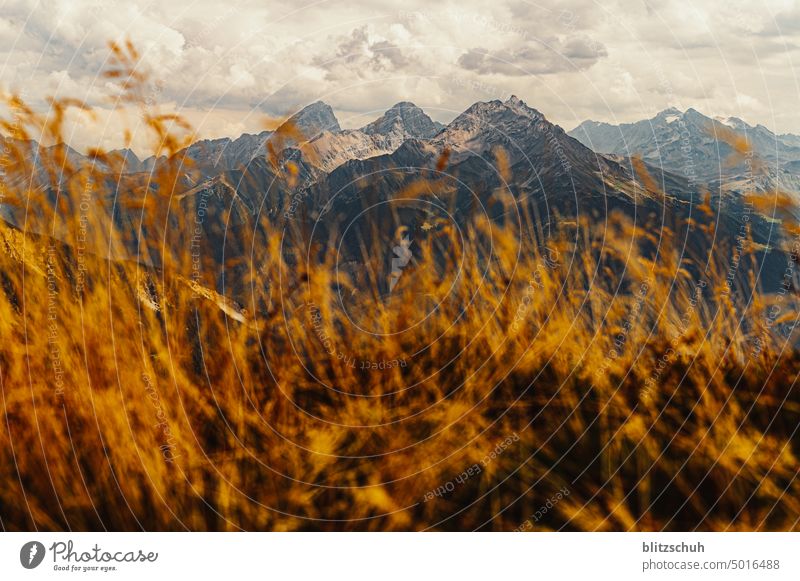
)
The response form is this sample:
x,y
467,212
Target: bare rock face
x,y
314,119
698,147
404,119
402,122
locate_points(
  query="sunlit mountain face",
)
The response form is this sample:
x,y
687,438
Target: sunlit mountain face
x,y
703,149
351,189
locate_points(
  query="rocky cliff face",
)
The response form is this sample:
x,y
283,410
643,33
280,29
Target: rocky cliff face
x,y
404,119
702,149
402,122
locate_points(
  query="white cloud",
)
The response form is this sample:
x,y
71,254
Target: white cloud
x,y
572,59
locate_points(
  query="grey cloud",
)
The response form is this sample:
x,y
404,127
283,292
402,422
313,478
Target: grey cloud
x,y
583,48
561,16
360,53
553,57
783,23
385,50
711,52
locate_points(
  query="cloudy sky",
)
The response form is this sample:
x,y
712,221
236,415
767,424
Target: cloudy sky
x,y
228,64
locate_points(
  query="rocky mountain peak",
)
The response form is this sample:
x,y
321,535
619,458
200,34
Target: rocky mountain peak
x,y
521,108
314,119
404,117
670,111
485,117
737,123
696,146
693,113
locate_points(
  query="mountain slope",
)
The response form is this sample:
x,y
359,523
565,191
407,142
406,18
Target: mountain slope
x,y
702,149
498,160
400,123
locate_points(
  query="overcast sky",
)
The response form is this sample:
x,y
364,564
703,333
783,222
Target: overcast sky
x,y
227,64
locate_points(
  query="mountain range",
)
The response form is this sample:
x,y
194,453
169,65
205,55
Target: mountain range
x,y
404,170
700,148
687,143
